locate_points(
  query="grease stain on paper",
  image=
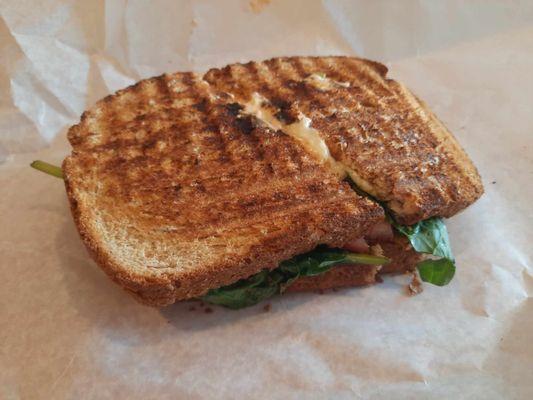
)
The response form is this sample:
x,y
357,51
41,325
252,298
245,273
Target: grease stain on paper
x,y
258,6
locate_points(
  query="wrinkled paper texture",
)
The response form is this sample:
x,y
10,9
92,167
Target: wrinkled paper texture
x,y
68,332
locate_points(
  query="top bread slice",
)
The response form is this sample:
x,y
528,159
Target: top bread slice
x,y
386,139
175,190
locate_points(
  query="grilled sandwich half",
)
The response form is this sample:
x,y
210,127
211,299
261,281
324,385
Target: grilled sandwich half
x,y
239,184
379,134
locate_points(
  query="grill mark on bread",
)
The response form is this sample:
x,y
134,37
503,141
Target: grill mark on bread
x,y
373,80
323,66
298,66
255,80
282,77
302,88
188,79
258,82
245,125
353,73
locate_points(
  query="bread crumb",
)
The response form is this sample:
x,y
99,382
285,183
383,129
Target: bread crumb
x,y
208,310
258,5
415,287
377,250
201,304
267,308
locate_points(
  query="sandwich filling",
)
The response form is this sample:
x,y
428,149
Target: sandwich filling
x,y
428,237
267,283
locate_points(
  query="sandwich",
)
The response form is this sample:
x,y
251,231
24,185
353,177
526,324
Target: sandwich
x,y
291,174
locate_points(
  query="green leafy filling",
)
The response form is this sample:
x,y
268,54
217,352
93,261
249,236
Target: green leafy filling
x,y
431,237
265,284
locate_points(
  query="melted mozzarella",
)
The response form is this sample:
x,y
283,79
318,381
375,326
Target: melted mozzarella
x,y
300,130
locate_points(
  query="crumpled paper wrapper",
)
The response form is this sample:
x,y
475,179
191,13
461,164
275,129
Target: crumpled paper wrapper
x,y
69,332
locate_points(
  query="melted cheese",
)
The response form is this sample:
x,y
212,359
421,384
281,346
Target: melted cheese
x,y
320,81
301,130
255,107
359,182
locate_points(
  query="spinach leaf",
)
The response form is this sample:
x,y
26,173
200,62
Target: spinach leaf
x,y
438,272
431,237
265,284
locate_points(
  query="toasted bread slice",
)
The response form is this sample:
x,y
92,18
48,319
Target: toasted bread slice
x,y
176,191
387,140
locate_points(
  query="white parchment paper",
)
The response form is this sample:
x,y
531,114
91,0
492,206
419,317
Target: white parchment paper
x,y
67,332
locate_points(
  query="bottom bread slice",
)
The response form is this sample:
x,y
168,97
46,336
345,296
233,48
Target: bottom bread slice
x,y
403,259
